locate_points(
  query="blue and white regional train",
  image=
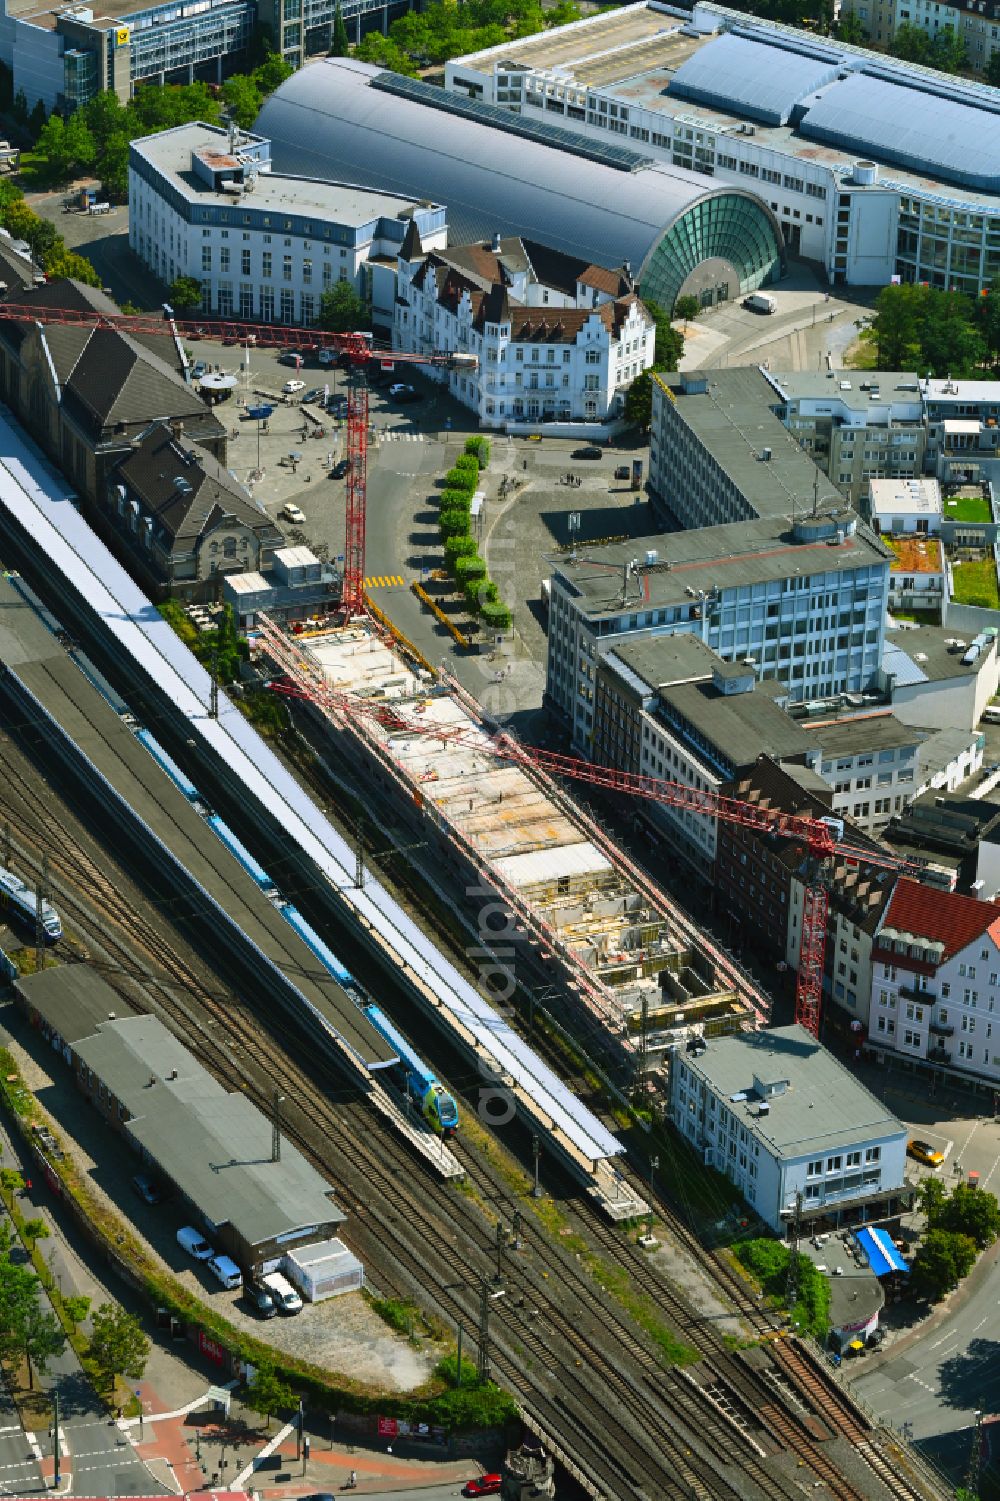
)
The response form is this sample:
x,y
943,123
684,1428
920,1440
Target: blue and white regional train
x,y
20,900
419,1082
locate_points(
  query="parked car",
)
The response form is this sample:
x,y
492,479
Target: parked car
x,y
290,357
327,357
340,468
260,1299
922,1151
486,1485
149,1191
292,513
315,393
198,369
401,392
292,387
588,453
194,1243
226,1270
622,471
286,1299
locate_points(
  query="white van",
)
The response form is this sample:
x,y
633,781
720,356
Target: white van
x,y
991,714
228,1273
760,302
286,1299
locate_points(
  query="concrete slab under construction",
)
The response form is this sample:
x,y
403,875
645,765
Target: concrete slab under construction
x,y
615,937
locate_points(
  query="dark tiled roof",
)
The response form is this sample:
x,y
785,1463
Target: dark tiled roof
x,y
207,492
15,270
412,247
614,283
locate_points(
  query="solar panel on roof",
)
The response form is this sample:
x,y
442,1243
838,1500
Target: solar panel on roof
x,y
619,157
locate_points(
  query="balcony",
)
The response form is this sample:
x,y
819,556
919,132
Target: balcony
x,y
925,997
939,1055
942,1029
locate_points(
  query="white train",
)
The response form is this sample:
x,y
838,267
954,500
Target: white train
x,y
19,899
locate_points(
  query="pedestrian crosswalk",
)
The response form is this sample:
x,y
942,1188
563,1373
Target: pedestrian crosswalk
x,y
385,581
401,437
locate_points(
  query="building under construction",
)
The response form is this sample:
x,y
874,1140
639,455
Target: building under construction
x,y
556,908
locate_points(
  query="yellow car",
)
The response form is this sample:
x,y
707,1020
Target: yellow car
x,y
925,1153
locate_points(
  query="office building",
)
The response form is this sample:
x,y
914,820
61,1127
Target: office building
x,y
935,679
787,1124
604,202
743,588
874,168
561,343
64,55
204,203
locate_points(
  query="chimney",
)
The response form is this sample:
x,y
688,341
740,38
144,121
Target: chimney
x,y
496,242
172,1074
176,429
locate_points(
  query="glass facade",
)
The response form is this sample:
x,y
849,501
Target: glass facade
x,y
948,245
79,77
733,227
179,36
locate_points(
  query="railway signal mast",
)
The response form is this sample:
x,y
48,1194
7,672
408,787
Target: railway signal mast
x,y
357,348
821,839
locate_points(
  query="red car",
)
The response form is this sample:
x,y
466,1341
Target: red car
x,y
486,1485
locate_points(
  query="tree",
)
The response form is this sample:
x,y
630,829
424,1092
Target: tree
x,y
272,73
942,1260
118,1344
948,51
67,263
669,344
850,29
895,329
988,307
339,42
243,99
993,69
18,1295
686,308
931,1196
41,1338
51,144
111,166
76,1308
36,119
385,52
973,1212
564,13
341,310
35,1229
267,1393
21,107
639,401
11,1180
185,292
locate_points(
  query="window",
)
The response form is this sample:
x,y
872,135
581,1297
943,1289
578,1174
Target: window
x,y
265,269
815,1168
286,268
244,263
206,257
834,1164
873,1154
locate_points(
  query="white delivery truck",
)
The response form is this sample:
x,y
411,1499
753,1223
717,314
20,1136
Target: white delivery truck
x,y
760,302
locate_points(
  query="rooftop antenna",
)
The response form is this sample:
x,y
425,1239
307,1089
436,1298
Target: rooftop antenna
x,y
232,136
816,492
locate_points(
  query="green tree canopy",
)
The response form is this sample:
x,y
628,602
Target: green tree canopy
x,y
339,43
850,29
242,99
942,1260
926,329
267,1393
970,1211
341,310
686,308
185,293
118,1343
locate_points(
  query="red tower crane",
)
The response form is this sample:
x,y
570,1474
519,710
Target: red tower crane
x,y
357,347
819,837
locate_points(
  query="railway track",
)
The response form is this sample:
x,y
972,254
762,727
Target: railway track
x,y
673,1436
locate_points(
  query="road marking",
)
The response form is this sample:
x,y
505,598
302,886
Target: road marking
x,y
385,581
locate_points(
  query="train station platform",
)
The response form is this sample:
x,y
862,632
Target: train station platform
x,y
212,898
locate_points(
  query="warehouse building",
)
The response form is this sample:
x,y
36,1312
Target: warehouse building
x,y
205,203
602,201
786,1122
873,167
213,1148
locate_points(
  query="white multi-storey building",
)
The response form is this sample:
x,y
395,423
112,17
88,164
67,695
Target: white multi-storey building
x,y
263,245
873,166
563,347
936,981
784,1120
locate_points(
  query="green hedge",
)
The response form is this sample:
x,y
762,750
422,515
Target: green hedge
x,y
496,615
453,524
467,463
460,479
459,549
479,448
468,565
449,499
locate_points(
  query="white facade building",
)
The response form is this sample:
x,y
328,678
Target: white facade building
x,y
781,1117
262,245
813,126
563,349
936,981
903,506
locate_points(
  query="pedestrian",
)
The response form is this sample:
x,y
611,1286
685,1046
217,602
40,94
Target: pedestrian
x,y
525,463
354,1478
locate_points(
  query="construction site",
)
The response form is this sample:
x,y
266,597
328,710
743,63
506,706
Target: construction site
x,y
550,899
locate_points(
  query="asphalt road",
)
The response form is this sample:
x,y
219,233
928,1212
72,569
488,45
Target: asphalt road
x,y
100,1458
20,1471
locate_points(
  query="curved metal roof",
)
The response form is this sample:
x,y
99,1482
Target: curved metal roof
x,y
328,121
752,77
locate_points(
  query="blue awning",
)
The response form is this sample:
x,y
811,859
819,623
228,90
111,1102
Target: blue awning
x,y
882,1254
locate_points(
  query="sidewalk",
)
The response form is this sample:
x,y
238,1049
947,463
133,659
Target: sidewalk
x,y
199,1449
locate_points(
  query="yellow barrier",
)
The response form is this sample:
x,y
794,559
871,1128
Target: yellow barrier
x,y
439,614
397,635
